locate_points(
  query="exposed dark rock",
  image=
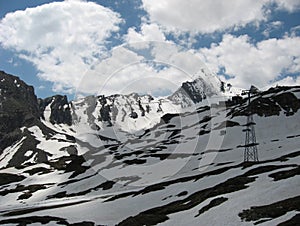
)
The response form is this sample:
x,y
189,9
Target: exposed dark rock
x,y
285,174
107,185
148,108
212,203
174,133
29,144
60,109
9,139
147,219
135,161
226,124
83,223
72,150
6,178
183,193
206,118
18,108
291,222
105,111
104,186
34,219
202,132
270,105
133,115
167,117
23,221
193,92
271,211
27,190
289,102
38,170
141,108
75,165
21,211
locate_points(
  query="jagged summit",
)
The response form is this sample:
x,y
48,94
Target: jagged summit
x,y
194,92
130,112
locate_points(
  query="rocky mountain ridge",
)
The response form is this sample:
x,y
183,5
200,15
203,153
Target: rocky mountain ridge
x,y
172,167
114,109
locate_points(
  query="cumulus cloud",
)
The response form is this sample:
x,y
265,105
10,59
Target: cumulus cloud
x,y
146,78
143,67
66,42
148,32
202,16
98,78
62,39
261,64
289,5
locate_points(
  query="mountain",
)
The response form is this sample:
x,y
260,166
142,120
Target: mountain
x,y
204,85
111,160
18,108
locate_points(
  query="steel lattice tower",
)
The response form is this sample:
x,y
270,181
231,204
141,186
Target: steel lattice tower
x,y
250,153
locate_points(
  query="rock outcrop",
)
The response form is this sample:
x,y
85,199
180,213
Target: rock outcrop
x,y
18,108
59,108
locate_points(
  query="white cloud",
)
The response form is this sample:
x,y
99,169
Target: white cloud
x,y
145,78
183,59
62,39
98,78
146,67
261,64
65,40
204,16
149,32
289,5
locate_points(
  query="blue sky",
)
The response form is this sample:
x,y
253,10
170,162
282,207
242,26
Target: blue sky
x,y
77,46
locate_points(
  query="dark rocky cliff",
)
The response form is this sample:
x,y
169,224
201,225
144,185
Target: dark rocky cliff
x,y
18,108
193,92
60,109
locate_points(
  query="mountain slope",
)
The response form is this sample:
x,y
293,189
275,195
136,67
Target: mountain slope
x,y
169,167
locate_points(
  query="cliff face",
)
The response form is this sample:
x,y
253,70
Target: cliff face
x,y
18,108
18,100
59,109
195,91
